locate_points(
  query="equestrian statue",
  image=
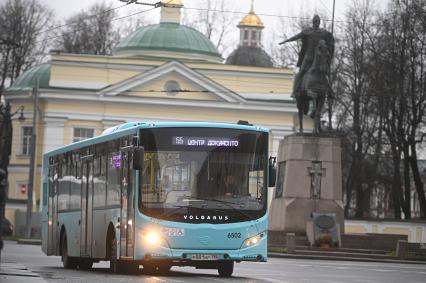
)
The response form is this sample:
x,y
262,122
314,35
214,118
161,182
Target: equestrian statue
x,y
311,84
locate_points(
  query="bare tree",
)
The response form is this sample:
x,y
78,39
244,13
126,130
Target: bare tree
x,y
210,19
404,40
356,111
285,55
22,23
132,24
90,32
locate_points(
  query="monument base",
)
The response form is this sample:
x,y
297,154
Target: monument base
x,y
309,180
291,214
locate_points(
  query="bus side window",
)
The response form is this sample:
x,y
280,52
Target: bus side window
x,y
75,200
114,165
63,185
99,183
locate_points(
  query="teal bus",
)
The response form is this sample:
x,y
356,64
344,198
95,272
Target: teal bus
x,y
159,195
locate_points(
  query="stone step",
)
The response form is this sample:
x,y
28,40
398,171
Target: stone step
x,y
346,250
342,254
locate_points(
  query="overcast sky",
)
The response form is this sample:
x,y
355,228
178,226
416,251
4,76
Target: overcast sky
x,y
268,10
66,8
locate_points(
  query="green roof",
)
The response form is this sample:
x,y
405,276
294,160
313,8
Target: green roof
x,y
171,37
29,78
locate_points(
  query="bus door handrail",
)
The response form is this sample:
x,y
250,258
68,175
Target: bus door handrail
x,y
87,157
127,148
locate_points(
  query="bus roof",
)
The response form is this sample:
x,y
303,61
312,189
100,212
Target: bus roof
x,y
132,127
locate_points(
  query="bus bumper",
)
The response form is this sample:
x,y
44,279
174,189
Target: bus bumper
x,y
256,252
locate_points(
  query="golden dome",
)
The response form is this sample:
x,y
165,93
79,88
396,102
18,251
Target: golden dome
x,y
172,2
251,20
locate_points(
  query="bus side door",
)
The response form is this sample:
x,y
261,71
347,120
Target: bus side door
x,y
127,204
86,206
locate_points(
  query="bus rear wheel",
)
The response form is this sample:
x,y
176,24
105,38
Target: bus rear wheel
x,y
225,268
67,261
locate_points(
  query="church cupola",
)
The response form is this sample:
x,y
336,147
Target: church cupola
x,y
251,29
171,12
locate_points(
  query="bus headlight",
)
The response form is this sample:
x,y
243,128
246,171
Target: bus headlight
x,y
252,241
153,238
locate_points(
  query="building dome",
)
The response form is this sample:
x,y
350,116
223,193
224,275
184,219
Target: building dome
x,y
249,51
168,40
29,78
249,56
251,20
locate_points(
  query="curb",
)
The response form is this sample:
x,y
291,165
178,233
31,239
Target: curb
x,y
16,272
29,242
320,257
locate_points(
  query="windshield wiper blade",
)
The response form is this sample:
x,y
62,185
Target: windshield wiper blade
x,y
172,210
229,204
176,208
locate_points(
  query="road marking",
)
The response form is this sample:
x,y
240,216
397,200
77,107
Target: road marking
x,y
275,280
158,279
216,279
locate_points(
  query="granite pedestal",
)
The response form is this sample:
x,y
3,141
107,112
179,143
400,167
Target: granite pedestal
x,y
309,180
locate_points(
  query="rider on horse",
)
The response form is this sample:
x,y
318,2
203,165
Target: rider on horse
x,y
311,37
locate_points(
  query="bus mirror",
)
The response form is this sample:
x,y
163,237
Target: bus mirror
x,y
138,157
272,171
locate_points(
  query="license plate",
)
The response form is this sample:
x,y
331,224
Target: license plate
x,y
204,257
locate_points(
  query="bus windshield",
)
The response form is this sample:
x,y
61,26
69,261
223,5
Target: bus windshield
x,y
204,175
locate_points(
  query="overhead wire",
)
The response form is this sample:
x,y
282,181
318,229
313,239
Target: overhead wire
x,y
73,22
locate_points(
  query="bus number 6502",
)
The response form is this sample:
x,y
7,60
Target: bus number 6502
x,y
234,235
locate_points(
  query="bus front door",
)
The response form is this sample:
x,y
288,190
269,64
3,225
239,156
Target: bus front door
x,y
86,206
127,206
52,247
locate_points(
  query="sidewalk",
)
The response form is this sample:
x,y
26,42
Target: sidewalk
x,y
16,273
343,258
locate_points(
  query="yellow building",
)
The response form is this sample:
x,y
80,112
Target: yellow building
x,y
161,72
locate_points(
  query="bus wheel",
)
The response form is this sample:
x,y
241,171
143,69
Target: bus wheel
x,y
67,261
164,268
115,266
225,268
85,264
156,267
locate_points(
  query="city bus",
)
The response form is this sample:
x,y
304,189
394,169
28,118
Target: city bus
x,y
156,195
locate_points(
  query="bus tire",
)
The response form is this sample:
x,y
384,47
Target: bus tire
x,y
225,268
85,264
115,266
67,261
154,268
164,268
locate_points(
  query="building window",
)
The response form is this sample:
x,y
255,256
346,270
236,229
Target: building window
x,y
27,133
253,37
171,88
246,35
82,134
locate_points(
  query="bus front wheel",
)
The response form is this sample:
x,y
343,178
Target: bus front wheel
x,y
225,268
67,261
156,268
114,264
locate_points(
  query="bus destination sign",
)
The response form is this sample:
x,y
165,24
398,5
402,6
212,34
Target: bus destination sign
x,y
202,141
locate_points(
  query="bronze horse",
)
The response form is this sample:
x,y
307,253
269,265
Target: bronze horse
x,y
314,87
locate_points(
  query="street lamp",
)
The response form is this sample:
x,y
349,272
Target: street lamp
x,y
32,161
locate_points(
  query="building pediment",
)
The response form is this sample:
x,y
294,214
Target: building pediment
x,y
173,80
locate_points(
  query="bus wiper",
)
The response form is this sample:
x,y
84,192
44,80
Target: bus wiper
x,y
173,210
229,204
176,208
